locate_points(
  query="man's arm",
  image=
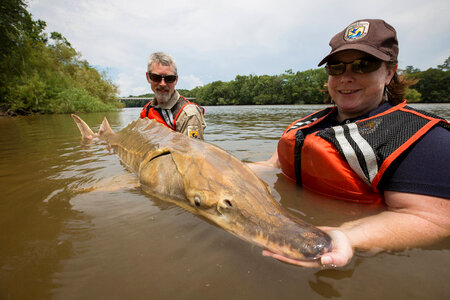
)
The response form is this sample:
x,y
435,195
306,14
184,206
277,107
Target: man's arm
x,y
191,122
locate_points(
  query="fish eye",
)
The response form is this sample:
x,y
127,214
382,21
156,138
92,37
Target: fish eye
x,y
197,201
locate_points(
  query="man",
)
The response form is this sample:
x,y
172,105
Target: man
x,y
168,107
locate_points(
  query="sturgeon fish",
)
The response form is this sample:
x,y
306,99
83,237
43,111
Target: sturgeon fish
x,y
207,181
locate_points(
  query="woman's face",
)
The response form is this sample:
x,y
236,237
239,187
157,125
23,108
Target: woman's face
x,y
356,94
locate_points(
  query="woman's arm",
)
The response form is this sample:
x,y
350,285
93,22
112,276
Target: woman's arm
x,y
412,220
272,162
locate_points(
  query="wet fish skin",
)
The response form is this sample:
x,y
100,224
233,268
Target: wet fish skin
x,y
207,181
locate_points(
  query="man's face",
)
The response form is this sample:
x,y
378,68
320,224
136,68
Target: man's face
x,y
163,90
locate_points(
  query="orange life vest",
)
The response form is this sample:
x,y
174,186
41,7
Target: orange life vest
x,y
347,162
155,113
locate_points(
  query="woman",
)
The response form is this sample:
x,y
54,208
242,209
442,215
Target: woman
x,y
370,148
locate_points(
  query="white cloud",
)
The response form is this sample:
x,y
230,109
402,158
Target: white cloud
x,y
128,85
190,81
217,40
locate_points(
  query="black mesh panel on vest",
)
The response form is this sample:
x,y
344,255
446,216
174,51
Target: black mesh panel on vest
x,y
385,134
177,107
396,128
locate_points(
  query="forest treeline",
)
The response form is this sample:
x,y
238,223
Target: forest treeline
x,y
42,73
307,87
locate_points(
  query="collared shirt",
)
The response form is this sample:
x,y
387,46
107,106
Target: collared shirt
x,y
332,121
190,120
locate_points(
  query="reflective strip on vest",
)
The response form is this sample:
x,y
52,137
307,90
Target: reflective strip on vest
x,y
301,123
350,154
168,116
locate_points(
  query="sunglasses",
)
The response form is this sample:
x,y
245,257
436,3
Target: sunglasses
x,y
158,78
360,66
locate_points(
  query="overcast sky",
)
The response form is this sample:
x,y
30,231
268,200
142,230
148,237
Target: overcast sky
x,y
218,39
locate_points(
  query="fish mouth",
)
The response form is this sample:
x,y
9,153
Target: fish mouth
x,y
296,240
282,234
311,254
306,246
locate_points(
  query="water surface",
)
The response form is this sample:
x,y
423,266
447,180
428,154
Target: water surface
x,y
62,239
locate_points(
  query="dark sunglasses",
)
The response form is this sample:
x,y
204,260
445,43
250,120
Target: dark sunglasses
x,y
158,78
360,66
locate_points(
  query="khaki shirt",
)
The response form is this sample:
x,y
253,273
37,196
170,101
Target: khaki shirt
x,y
190,121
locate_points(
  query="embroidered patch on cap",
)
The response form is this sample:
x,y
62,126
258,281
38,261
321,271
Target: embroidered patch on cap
x,y
356,31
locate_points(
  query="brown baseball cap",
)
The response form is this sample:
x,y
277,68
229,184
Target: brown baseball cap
x,y
372,36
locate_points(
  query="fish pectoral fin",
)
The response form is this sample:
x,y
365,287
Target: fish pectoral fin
x,y
152,155
159,176
115,183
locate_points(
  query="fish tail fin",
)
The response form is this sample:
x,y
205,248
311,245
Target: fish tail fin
x,y
105,128
84,128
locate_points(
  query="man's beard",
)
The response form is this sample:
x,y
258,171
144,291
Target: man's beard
x,y
162,97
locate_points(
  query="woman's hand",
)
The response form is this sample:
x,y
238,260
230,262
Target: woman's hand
x,y
411,220
339,256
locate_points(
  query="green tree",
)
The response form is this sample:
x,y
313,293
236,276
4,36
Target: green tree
x,y
409,70
242,89
413,96
433,85
308,86
287,87
45,75
445,66
267,90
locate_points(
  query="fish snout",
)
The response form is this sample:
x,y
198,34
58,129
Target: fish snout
x,y
224,205
302,241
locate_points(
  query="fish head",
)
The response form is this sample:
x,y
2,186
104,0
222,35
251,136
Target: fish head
x,y
225,191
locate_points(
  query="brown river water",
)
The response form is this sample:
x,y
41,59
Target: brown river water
x,y
62,238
